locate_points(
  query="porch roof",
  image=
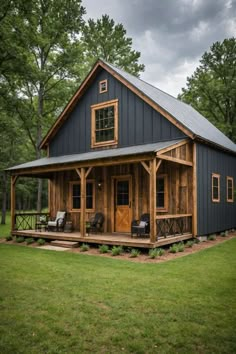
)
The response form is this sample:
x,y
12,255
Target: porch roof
x,y
95,155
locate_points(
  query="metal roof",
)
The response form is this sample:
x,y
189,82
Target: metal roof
x,y
184,113
98,154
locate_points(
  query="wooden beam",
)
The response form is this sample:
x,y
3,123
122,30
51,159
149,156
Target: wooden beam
x,y
13,201
174,146
174,159
152,200
82,202
136,191
78,172
146,167
158,164
105,200
194,221
88,171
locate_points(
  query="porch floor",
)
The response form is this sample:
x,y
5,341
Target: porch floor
x,y
118,239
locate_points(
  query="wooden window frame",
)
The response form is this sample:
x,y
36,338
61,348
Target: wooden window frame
x,y
96,107
100,86
217,176
166,194
72,183
228,178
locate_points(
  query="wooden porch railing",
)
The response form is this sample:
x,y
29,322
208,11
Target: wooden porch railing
x,y
27,221
173,225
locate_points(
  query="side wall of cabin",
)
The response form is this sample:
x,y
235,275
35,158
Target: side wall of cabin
x,y
138,123
214,216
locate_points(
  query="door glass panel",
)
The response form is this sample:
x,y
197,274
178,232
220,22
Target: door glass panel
x,y
122,193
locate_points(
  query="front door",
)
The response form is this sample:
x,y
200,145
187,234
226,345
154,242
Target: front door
x,y
123,210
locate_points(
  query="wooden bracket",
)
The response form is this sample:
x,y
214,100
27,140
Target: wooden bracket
x,y
147,168
78,172
158,165
88,171
14,179
174,159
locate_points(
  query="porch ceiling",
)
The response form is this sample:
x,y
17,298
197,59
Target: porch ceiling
x,y
105,154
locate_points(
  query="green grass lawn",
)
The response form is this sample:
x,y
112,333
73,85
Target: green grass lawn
x,y
58,302
5,229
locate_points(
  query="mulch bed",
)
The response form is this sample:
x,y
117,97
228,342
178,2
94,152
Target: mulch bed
x,y
143,257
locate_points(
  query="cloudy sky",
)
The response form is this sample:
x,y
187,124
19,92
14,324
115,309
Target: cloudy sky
x,y
171,35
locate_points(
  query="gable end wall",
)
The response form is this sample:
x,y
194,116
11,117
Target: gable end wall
x,y
138,122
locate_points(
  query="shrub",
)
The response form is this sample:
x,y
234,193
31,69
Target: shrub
x,y
20,239
134,253
196,240
223,234
189,244
103,249
29,240
84,247
9,238
181,247
160,252
212,237
41,242
116,250
174,248
153,253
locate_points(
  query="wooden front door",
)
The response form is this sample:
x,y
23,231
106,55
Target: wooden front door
x,y
123,198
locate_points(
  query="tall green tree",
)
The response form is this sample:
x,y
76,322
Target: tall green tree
x,y
212,87
106,40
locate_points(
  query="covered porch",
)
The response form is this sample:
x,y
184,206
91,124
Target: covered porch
x,y
159,181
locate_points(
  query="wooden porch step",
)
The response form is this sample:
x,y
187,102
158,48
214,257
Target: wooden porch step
x,y
69,244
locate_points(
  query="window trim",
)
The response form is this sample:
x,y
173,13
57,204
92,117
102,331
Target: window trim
x,y
93,123
166,193
72,183
228,178
217,176
100,86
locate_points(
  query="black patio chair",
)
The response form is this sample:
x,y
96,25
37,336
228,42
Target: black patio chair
x,y
142,226
96,222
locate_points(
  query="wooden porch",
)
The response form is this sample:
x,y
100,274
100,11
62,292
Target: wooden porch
x,y
113,239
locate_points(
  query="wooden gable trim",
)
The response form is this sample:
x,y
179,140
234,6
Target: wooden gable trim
x,y
63,116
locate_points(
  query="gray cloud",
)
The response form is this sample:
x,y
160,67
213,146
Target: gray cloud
x,y
171,35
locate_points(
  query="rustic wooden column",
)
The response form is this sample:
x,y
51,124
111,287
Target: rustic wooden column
x,y
152,200
13,201
136,191
105,189
194,211
82,202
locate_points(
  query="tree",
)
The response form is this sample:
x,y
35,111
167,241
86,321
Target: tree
x,y
212,87
105,40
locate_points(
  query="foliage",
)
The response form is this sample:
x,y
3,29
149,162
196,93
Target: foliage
x,y
174,248
134,253
19,239
84,247
106,40
47,298
29,240
9,238
181,247
160,252
212,87
41,242
212,237
116,250
103,249
189,244
153,253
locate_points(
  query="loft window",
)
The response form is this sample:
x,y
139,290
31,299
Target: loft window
x,y
105,123
230,189
103,86
215,187
76,195
162,193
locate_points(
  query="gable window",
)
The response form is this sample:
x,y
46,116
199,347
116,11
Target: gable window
x,y
75,191
215,187
104,123
230,189
103,86
162,193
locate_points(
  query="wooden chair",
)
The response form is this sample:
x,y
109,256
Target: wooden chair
x,y
59,222
96,222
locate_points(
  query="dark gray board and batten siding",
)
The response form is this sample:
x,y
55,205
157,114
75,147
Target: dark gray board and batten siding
x,y
214,217
138,122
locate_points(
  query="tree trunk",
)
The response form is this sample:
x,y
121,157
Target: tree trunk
x,y
39,138
4,198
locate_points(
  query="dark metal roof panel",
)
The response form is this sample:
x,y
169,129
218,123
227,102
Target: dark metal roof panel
x,y
98,154
184,113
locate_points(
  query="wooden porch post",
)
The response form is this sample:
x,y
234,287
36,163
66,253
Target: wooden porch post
x,y
13,201
194,211
136,191
105,189
152,200
82,202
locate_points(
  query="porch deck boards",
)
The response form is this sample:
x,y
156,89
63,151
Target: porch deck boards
x,y
115,239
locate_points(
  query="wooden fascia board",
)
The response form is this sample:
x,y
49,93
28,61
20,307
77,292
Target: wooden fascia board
x,y
148,100
89,163
69,106
174,159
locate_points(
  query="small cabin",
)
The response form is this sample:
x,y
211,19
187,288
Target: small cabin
x,y
124,148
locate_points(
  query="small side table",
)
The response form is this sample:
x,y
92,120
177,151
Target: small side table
x,y
40,225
